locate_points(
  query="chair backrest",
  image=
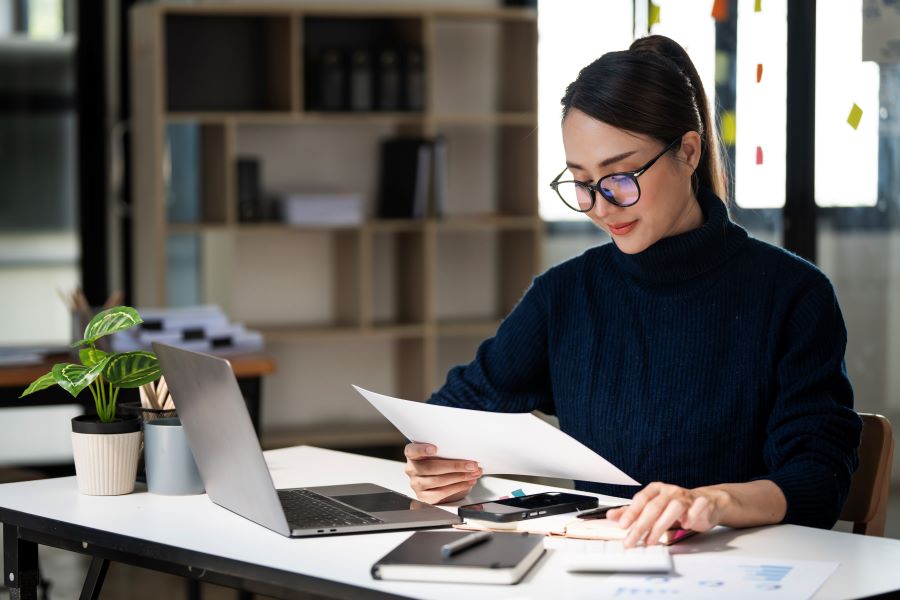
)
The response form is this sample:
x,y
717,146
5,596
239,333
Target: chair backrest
x,y
867,501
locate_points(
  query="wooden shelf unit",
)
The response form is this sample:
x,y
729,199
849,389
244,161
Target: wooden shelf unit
x,y
394,280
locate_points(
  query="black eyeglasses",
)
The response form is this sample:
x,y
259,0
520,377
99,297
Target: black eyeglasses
x,y
620,189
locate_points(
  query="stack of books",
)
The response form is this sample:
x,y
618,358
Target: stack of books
x,y
199,328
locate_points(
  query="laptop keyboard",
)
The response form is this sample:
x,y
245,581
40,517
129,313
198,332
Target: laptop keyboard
x,y
308,510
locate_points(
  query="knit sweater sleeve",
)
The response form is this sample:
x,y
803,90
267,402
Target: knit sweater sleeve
x,y
812,432
510,371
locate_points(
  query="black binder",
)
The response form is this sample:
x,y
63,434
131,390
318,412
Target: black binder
x,y
503,559
405,184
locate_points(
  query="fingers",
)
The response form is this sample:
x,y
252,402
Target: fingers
x,y
627,515
436,480
673,512
416,451
447,493
644,522
699,516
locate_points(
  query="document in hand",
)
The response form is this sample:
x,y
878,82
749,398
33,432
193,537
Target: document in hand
x,y
507,443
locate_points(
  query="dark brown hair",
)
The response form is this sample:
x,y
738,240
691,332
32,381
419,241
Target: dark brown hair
x,y
652,89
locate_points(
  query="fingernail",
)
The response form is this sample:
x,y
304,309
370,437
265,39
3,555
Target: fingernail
x,y
471,467
430,450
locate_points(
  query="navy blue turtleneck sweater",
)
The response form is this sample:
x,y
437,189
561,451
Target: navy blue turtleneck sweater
x,y
711,357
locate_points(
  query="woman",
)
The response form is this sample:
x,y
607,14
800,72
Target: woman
x,y
685,352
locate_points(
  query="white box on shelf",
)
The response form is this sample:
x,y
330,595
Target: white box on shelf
x,y
322,209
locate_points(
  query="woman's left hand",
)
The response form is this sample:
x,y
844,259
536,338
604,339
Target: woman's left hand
x,y
660,506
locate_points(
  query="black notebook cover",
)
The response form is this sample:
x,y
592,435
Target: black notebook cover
x,y
504,558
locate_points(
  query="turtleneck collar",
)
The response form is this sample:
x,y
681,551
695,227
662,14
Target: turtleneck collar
x,y
689,254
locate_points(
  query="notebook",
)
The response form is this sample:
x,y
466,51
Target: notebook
x,y
502,559
235,474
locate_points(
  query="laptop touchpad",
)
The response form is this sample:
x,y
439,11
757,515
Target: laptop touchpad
x,y
378,502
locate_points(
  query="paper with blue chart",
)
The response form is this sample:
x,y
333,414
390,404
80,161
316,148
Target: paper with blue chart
x,y
710,576
502,443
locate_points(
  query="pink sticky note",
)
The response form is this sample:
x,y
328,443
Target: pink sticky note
x,y
759,158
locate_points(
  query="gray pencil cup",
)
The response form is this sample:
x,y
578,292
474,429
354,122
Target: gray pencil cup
x,y
168,460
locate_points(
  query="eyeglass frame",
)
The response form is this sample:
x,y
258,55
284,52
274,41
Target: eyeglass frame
x,y
594,188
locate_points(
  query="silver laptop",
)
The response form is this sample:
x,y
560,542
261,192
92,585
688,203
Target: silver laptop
x,y
235,474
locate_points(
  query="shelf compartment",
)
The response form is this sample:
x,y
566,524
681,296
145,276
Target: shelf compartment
x,y
496,265
483,66
198,189
310,280
332,42
235,62
397,267
310,157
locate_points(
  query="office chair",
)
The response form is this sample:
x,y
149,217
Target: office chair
x,y
867,502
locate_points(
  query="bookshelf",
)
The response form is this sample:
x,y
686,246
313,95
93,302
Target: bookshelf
x,y
239,76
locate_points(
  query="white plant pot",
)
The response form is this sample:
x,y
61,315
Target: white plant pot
x,y
106,463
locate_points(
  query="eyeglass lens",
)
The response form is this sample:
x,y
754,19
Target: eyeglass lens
x,y
618,189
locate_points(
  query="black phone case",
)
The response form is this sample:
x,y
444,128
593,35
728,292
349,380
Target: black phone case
x,y
525,513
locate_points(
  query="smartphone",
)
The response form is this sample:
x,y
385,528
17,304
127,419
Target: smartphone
x,y
519,508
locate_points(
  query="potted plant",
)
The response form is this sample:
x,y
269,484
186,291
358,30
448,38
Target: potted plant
x,y
106,448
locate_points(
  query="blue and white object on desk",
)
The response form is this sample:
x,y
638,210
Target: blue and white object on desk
x,y
199,328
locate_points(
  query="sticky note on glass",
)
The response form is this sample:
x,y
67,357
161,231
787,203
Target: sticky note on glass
x,y
758,72
855,116
759,158
653,17
728,128
518,493
723,67
720,10
757,7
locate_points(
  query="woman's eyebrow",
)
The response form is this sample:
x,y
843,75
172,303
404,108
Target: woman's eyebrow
x,y
614,159
604,163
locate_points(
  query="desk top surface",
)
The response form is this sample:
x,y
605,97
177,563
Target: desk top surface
x,y
244,365
868,565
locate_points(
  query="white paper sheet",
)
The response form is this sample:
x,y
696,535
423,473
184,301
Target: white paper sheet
x,y
502,443
711,576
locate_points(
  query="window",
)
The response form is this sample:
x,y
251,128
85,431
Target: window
x,y
571,35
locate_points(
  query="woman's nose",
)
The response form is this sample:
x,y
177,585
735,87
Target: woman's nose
x,y
601,208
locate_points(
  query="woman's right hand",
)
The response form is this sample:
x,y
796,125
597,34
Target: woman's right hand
x,y
437,480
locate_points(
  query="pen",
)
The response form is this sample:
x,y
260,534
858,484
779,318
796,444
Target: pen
x,y
597,513
464,543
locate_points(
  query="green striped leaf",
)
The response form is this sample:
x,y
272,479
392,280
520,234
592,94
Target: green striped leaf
x,y
74,378
92,356
109,321
42,382
132,369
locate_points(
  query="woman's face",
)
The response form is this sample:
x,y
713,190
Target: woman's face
x,y
667,205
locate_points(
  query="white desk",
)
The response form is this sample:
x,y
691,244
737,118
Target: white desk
x,y
192,537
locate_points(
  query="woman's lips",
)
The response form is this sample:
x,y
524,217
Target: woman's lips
x,y
621,228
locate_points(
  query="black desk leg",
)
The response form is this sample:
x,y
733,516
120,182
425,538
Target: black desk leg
x,y
93,582
20,565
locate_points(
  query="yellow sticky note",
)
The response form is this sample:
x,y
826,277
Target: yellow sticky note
x,y
728,128
758,6
654,15
855,116
723,67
